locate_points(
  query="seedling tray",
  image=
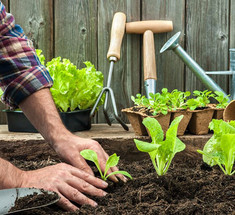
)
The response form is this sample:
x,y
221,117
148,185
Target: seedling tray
x,y
74,121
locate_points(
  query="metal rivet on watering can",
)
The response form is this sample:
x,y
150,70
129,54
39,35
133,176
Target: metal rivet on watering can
x,y
229,112
172,44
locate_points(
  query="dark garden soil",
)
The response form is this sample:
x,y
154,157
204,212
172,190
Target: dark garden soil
x,y
189,187
34,200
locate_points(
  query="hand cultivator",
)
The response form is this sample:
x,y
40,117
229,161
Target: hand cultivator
x,y
117,32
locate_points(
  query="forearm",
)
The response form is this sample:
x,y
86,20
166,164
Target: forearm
x,y
10,176
42,113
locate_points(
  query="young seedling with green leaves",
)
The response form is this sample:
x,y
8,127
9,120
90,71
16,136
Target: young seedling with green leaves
x,y
161,151
221,99
201,100
140,100
220,148
159,102
112,161
178,99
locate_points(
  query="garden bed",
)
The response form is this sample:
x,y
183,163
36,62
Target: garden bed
x,y
189,187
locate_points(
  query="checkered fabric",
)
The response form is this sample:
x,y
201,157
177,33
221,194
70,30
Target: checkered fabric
x,y
21,72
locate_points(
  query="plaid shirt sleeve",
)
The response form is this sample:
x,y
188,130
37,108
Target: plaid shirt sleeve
x,y
21,72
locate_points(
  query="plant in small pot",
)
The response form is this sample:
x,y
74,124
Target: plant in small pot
x,y
222,102
202,114
74,92
141,104
157,106
179,107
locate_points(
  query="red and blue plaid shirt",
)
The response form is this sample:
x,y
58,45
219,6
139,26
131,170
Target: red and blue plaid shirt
x,y
21,72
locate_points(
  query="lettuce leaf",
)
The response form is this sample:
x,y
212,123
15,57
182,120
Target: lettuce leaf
x,y
220,148
74,88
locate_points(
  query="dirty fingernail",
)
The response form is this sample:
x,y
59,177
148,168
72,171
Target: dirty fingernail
x,y
104,193
105,184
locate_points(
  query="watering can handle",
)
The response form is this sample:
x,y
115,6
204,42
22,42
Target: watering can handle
x,y
149,56
156,26
117,32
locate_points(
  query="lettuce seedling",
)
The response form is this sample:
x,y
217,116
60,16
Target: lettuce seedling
x,y
201,100
140,100
178,99
159,102
221,99
161,151
112,161
220,148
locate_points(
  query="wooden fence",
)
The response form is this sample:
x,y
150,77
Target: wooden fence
x,y
80,30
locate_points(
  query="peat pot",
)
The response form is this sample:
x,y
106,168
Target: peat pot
x,y
74,121
200,121
184,122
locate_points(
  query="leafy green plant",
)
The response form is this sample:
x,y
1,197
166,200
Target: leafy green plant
x,y
159,102
220,148
73,88
178,99
112,161
161,151
1,92
221,99
140,100
201,100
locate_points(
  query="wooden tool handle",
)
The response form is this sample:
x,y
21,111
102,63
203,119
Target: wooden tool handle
x,y
117,32
156,26
149,56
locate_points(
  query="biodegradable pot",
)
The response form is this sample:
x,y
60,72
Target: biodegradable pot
x,y
218,112
200,121
184,122
164,120
229,112
136,121
73,121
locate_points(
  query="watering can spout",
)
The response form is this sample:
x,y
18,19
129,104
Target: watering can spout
x,y
172,44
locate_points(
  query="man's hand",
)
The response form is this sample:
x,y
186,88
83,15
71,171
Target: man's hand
x,y
69,147
69,182
41,111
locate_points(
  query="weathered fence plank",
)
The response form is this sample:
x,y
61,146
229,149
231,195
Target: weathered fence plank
x,y
126,79
207,40
232,24
76,31
5,2
170,70
36,18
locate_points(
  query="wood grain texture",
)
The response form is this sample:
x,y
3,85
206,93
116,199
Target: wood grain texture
x,y
6,2
125,79
207,32
76,31
36,18
170,70
232,24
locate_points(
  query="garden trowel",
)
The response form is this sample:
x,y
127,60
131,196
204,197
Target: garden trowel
x,y
8,198
150,75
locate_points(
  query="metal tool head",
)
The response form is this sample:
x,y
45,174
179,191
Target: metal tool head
x,y
8,198
171,43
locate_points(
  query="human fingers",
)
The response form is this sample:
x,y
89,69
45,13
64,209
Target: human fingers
x,y
74,195
72,156
85,187
66,204
89,178
116,176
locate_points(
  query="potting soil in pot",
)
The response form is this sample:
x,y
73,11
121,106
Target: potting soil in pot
x,y
189,187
